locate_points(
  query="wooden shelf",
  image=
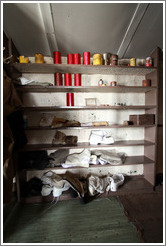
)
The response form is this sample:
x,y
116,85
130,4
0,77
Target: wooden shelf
x,y
31,147
31,128
132,185
60,108
83,69
130,160
76,89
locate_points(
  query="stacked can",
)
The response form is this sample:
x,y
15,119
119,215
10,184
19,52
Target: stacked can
x,y
70,99
148,62
77,58
106,58
39,58
70,59
86,58
67,79
132,62
57,57
58,79
97,59
77,79
114,60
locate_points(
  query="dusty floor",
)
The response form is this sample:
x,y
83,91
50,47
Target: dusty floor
x,y
146,213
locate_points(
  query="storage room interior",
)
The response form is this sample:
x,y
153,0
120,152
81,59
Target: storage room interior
x,y
82,123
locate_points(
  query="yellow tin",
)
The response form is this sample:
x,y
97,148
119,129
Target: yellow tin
x,y
132,62
39,58
23,59
97,59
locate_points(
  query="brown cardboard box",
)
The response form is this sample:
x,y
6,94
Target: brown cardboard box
x,y
142,119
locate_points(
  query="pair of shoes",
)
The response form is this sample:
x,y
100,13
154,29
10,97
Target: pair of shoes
x,y
96,185
53,183
114,182
100,137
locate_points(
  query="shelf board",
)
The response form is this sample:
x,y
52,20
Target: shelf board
x,y
132,185
83,69
60,108
31,128
76,89
33,147
130,160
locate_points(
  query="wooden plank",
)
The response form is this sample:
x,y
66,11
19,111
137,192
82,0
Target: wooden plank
x,y
59,108
31,147
31,128
77,89
83,69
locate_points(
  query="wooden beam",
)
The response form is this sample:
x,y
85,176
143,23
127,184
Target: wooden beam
x,y
47,17
132,28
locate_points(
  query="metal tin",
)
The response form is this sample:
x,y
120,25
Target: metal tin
x,y
148,62
86,58
97,59
106,58
57,57
58,79
77,79
67,79
146,82
101,82
113,83
70,59
114,60
23,59
77,58
39,58
70,99
132,62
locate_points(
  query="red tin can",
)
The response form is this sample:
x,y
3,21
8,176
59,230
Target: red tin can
x,y
77,58
70,99
58,79
70,59
86,58
77,79
148,62
57,57
67,78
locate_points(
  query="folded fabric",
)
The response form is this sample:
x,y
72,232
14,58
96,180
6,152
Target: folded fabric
x,y
110,156
79,159
58,157
58,122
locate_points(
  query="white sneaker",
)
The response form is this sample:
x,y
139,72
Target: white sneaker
x,y
107,140
100,137
46,190
114,182
58,191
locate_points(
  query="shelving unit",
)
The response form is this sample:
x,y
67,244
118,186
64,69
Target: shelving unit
x,y
149,143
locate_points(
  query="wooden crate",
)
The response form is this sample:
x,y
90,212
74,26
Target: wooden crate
x,y
142,119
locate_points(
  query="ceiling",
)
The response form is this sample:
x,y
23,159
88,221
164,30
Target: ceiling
x,y
126,29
